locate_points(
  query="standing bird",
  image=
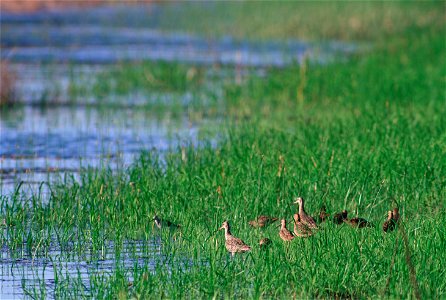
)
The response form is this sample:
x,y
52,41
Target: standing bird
x,y
339,218
390,223
396,214
233,244
323,216
304,218
284,233
160,223
300,229
262,221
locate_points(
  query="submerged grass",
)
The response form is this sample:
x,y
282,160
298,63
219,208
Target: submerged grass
x,y
364,135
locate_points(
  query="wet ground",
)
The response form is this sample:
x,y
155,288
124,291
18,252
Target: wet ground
x,y
47,50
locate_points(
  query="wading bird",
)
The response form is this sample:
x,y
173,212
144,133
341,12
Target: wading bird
x,y
390,223
339,217
323,216
300,229
160,223
284,233
233,244
304,218
262,221
358,222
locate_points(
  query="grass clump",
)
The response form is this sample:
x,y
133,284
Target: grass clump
x,y
147,76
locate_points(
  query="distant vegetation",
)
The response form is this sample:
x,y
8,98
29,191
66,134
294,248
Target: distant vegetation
x,y
7,81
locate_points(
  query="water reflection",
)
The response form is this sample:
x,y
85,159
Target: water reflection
x,y
39,144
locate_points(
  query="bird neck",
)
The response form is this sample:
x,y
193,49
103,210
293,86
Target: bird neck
x,y
227,232
301,208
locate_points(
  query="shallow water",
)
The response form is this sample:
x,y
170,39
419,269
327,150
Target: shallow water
x,y
23,274
39,145
48,51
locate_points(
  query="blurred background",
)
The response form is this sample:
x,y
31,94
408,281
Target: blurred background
x,y
92,83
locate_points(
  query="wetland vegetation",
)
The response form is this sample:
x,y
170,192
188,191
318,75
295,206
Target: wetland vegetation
x,y
364,134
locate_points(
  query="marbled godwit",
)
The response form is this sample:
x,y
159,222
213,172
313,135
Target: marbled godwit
x,y
304,218
233,244
264,243
323,216
300,229
390,223
164,223
284,233
339,218
262,221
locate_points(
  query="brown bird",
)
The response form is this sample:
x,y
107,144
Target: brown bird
x,y
339,218
265,242
304,218
358,222
262,221
396,214
390,223
233,244
323,216
300,229
284,233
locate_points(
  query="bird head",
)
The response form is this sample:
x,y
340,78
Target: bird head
x,y
225,225
298,200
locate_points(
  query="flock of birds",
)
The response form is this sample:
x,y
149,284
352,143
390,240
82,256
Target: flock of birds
x,y
304,226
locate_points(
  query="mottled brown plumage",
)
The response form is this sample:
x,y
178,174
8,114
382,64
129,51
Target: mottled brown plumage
x,y
390,223
265,242
284,233
358,222
300,229
262,221
304,218
339,217
323,216
233,244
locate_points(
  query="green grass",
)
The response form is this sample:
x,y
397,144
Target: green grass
x,y
363,135
351,21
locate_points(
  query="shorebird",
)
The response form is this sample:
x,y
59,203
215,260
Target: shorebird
x,y
262,221
160,223
300,229
396,214
323,214
304,218
265,242
390,223
233,244
339,217
357,222
284,233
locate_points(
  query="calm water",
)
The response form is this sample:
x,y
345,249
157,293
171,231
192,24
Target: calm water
x,y
47,51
